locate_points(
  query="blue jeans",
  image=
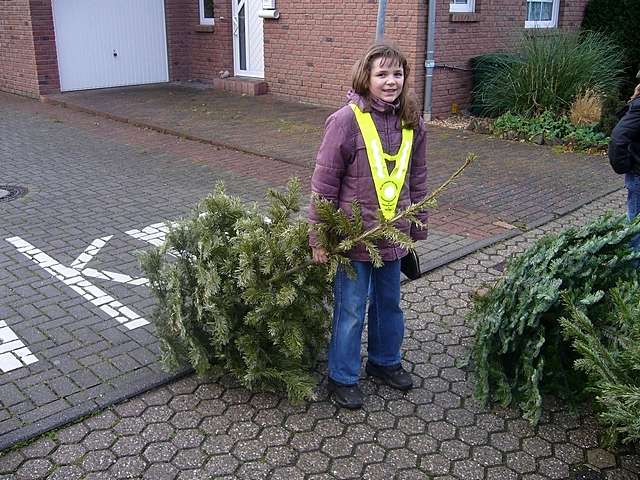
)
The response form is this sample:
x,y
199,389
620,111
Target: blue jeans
x,y
386,320
632,182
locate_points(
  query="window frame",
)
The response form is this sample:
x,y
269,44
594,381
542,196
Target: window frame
x,y
553,23
469,7
204,20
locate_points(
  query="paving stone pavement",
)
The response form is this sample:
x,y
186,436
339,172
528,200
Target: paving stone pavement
x,y
73,331
198,429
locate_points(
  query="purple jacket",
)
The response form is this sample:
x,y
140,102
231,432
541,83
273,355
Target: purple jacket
x,y
342,173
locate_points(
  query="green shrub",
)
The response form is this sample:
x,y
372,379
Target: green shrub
x,y
619,20
586,138
519,350
483,68
608,348
552,127
546,72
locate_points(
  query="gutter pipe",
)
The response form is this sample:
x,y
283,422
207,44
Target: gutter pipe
x,y
382,11
430,63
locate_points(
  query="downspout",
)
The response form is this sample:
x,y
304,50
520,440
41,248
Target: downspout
x,y
430,63
382,12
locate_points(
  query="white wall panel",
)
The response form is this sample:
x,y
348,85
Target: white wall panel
x,y
89,32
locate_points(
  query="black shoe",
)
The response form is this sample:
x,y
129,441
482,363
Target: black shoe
x,y
395,376
346,396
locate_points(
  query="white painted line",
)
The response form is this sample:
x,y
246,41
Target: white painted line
x,y
69,276
154,234
114,277
129,313
90,252
93,273
13,353
29,359
7,335
136,323
11,346
8,362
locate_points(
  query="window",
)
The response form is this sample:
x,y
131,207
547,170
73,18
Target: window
x,y
467,6
206,12
542,13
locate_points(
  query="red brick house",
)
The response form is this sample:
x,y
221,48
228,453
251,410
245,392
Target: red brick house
x,y
305,54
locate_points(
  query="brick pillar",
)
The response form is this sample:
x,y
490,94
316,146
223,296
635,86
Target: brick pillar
x,y
18,72
44,42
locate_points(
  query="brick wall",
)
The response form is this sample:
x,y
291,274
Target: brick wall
x,y
18,73
44,42
179,24
28,61
310,50
212,52
198,52
571,13
497,25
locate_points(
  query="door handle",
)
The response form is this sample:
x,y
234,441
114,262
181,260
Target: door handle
x,y
236,26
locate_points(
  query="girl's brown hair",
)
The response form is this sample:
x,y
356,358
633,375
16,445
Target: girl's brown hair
x,y
408,109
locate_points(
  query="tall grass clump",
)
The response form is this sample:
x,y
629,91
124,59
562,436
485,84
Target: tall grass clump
x,y
586,109
547,71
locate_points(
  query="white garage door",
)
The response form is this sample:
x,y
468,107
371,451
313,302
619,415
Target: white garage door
x,y
109,43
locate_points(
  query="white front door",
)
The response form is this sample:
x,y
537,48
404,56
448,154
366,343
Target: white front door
x,y
248,38
109,43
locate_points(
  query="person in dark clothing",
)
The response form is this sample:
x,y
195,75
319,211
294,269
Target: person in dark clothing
x,y
624,155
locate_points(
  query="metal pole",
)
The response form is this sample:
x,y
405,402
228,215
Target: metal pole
x,y
429,63
382,11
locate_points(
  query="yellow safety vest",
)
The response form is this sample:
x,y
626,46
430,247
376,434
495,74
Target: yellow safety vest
x,y
388,185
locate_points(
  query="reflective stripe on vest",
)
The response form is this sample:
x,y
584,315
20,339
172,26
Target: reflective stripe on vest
x,y
388,185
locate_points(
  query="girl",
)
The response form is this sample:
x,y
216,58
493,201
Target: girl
x,y
350,168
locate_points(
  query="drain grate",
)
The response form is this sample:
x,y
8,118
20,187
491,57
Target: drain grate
x,y
11,192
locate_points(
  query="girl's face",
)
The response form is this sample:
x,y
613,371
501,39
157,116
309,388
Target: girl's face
x,y
386,80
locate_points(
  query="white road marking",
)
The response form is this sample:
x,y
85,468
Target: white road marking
x,y
13,353
153,234
90,252
113,276
74,279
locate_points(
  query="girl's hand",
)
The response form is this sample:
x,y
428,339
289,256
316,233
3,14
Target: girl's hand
x,y
319,255
636,92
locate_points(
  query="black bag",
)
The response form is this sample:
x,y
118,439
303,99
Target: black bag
x,y
410,265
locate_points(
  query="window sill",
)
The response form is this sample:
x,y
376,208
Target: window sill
x,y
541,25
204,28
464,17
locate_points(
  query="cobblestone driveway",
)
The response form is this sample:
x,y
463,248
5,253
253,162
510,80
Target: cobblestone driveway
x,y
193,429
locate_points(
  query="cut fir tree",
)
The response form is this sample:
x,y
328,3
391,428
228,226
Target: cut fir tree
x,y
520,350
237,293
